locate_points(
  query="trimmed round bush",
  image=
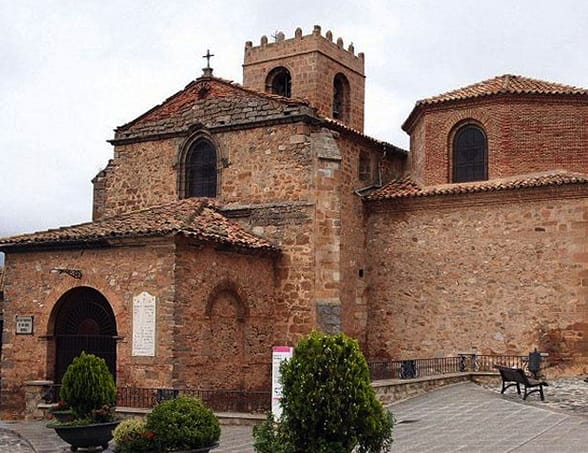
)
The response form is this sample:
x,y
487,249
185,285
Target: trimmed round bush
x,y
132,436
183,423
328,402
88,386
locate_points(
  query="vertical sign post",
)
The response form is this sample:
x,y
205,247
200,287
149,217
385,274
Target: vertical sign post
x,y
279,354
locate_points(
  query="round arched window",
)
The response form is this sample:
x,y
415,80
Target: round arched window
x,y
201,171
341,98
470,155
279,81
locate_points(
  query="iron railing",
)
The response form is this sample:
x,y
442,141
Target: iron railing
x,y
412,368
218,400
260,401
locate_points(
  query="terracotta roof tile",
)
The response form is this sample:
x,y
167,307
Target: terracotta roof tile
x,y
501,85
505,84
407,188
211,102
192,217
344,127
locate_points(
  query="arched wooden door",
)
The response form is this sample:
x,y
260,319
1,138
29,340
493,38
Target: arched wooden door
x,y
84,321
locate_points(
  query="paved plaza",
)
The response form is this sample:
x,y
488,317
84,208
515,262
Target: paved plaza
x,y
459,418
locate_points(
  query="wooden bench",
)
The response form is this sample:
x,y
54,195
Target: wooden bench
x,y
516,377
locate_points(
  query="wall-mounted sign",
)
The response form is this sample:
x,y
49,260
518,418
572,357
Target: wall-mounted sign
x,y
279,354
24,325
144,325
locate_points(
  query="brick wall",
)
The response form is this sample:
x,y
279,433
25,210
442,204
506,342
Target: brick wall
x,y
502,273
223,319
525,135
313,61
118,274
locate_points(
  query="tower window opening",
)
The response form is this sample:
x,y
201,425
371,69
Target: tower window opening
x,y
279,81
341,99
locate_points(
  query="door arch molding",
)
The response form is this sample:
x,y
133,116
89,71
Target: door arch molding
x,y
83,320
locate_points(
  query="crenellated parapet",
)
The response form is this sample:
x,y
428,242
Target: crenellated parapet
x,y
313,66
280,47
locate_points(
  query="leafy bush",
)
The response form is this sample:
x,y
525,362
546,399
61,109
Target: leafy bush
x,y
183,423
328,403
269,437
88,388
131,436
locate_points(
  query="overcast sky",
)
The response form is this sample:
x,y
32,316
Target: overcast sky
x,y
73,70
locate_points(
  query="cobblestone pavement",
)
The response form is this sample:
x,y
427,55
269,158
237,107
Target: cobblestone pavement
x,y
462,417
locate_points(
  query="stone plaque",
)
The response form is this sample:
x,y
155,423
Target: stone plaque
x,y
144,325
24,325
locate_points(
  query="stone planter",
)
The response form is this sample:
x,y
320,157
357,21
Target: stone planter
x,y
94,435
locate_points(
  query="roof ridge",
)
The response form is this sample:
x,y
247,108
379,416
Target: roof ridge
x,y
506,83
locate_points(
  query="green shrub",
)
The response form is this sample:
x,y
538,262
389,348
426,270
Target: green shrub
x,y
88,388
269,437
328,403
183,423
131,436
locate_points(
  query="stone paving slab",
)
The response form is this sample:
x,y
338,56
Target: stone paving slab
x,y
460,418
35,437
465,417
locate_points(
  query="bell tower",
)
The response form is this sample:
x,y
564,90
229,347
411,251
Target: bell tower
x,y
313,67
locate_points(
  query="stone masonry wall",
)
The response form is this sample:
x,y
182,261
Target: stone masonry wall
x,y
313,61
290,226
223,319
261,165
497,273
525,135
118,274
353,267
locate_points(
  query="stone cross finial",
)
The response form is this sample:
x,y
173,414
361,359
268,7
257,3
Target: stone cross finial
x,y
207,71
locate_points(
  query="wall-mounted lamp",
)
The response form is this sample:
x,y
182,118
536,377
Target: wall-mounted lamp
x,y
74,273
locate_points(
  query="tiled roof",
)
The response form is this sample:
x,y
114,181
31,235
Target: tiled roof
x,y
344,127
211,102
407,188
506,84
501,85
191,217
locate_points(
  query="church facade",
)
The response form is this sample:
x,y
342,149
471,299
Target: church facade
x,y
233,218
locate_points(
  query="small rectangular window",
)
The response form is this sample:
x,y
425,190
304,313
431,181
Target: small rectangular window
x,y
365,167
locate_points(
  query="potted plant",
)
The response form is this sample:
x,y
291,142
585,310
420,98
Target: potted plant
x,y
132,436
88,389
183,424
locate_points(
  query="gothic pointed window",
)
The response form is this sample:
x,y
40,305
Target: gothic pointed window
x,y
201,170
279,81
470,155
341,96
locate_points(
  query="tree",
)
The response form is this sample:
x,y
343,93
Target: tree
x,y
328,403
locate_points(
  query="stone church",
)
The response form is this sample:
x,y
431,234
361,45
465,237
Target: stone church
x,y
233,218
